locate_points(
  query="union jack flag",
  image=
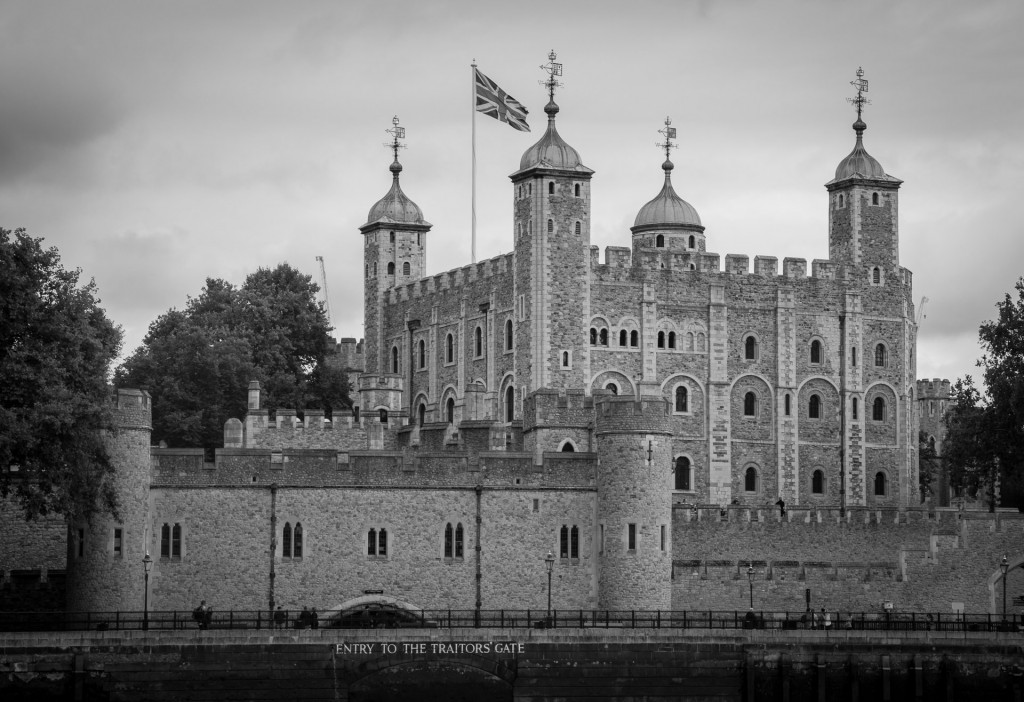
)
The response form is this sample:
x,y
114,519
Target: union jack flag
x,y
493,101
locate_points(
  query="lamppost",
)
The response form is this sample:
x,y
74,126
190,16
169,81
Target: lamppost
x,y
750,579
147,565
550,561
1004,565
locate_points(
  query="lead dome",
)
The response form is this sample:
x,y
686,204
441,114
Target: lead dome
x,y
395,207
551,151
667,209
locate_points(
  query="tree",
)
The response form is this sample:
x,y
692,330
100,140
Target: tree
x,y
56,350
985,433
928,465
197,363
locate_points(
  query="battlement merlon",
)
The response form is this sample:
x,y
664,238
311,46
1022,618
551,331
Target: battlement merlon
x,y
133,409
616,414
452,280
934,389
547,407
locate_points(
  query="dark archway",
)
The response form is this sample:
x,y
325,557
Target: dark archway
x,y
430,680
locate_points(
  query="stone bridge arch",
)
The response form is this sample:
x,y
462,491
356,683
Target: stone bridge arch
x,y
428,675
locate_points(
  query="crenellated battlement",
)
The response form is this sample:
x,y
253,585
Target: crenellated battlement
x,y
134,408
452,280
626,415
934,389
334,468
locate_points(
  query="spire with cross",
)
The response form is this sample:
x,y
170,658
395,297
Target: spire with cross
x,y
861,84
552,69
669,132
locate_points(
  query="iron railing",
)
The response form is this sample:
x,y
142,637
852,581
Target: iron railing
x,y
509,619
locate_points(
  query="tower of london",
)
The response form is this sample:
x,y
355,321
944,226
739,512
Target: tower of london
x,y
656,418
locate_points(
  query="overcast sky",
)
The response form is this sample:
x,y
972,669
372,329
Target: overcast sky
x,y
156,145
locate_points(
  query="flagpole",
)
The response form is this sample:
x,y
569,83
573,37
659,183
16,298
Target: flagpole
x,y
472,85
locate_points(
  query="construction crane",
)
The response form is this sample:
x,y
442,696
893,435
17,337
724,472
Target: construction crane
x,y
920,310
323,284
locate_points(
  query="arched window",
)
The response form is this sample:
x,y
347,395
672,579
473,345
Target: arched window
x,y
853,356
814,407
787,404
579,227
565,359
593,336
567,447
449,349
478,341
449,540
880,356
383,416
701,341
878,409
880,484
874,198
613,388
818,482
750,405
508,334
574,542
551,188
622,337
394,359
297,545
510,404
551,226
876,275
682,471
750,479
855,408
634,338
842,200
423,353
176,541
371,542
449,410
391,237
391,268
682,399
815,351
604,337
459,540
693,241
563,542
661,340
659,241
286,541
422,413
671,339
576,189
382,542
165,541
406,268
750,348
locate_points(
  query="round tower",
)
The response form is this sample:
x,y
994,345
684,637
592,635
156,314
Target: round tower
x,y
634,504
105,556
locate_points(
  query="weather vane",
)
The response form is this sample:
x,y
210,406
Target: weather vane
x,y
553,69
397,133
861,85
670,133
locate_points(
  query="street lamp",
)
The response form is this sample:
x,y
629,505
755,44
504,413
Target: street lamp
x,y
147,565
750,579
550,561
1004,565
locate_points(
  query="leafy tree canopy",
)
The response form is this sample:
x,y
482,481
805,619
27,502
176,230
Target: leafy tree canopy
x,y
56,350
197,362
985,432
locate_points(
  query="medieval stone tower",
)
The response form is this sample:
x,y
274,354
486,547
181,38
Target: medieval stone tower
x,y
552,259
105,557
634,506
394,253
